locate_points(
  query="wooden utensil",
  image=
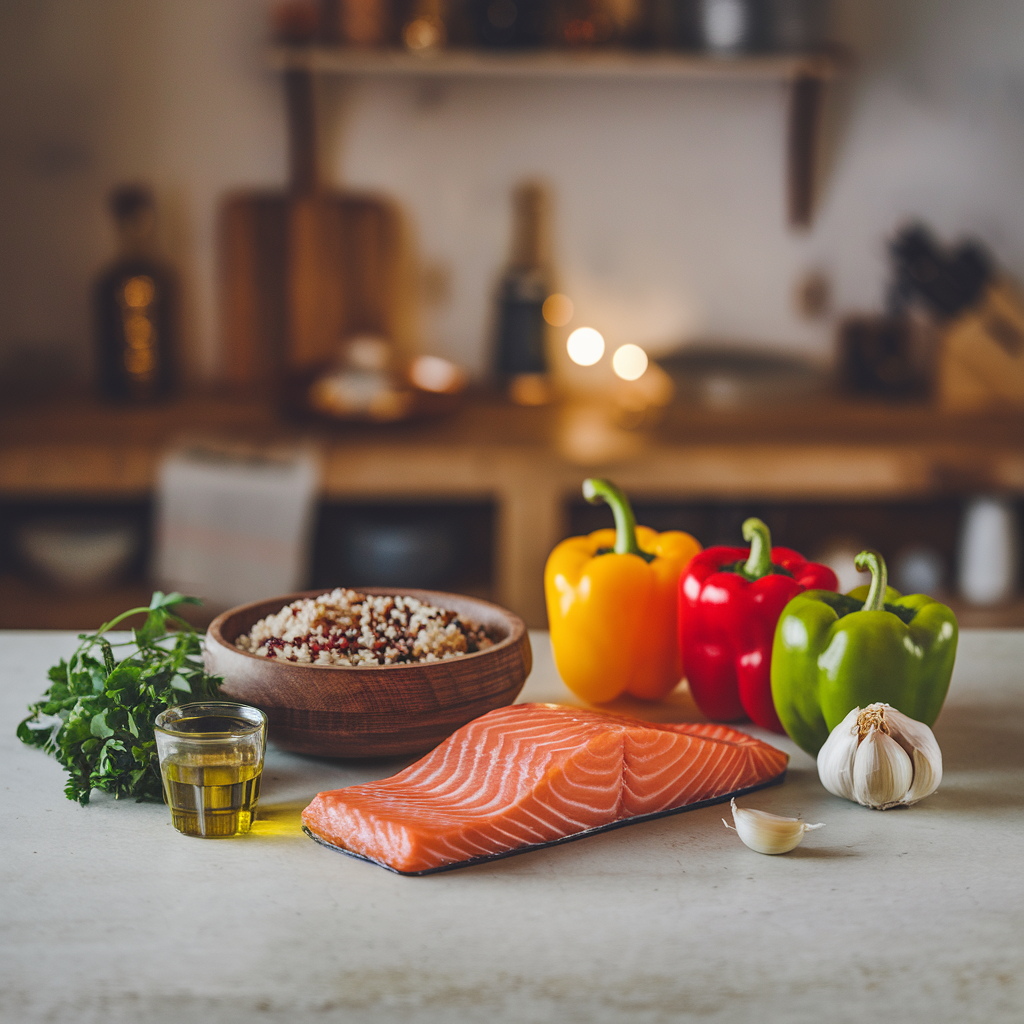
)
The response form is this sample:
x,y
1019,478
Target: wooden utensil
x,y
305,269
372,710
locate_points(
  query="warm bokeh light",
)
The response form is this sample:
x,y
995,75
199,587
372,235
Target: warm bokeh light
x,y
585,346
139,291
431,373
530,389
557,309
424,33
629,362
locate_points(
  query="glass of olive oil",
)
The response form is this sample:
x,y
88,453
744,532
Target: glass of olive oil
x,y
211,760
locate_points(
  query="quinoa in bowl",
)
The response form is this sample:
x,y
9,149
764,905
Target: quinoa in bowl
x,y
344,627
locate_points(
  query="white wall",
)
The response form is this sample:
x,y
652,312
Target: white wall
x,y
670,212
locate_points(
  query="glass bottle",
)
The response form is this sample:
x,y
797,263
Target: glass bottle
x,y
134,306
522,331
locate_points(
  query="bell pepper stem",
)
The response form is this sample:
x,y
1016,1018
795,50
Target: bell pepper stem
x,y
596,491
873,561
759,562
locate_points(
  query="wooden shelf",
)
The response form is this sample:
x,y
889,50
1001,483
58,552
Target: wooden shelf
x,y
625,65
832,451
805,74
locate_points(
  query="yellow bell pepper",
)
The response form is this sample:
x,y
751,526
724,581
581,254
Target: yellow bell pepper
x,y
612,605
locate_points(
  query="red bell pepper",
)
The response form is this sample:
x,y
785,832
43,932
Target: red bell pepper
x,y
730,600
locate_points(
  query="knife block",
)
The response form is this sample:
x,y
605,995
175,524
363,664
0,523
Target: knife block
x,y
981,354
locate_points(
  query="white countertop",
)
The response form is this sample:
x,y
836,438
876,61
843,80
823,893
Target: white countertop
x,y
109,915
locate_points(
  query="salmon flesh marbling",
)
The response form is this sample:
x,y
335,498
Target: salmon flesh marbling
x,y
533,774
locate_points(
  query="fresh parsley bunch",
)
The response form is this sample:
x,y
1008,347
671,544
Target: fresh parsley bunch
x,y
97,717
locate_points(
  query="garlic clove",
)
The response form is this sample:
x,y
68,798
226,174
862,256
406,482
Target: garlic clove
x,y
882,771
927,776
765,832
836,757
920,743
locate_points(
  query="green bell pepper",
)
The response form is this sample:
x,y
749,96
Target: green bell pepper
x,y
835,652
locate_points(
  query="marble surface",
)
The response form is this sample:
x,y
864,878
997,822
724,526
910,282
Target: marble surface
x,y
915,915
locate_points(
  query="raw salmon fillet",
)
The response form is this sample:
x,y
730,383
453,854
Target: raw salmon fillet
x,y
535,773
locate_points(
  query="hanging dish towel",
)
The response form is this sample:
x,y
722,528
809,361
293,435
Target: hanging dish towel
x,y
234,526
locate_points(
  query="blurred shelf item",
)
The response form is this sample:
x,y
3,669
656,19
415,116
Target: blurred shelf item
x,y
521,334
308,272
438,545
723,376
805,74
989,551
828,451
76,553
135,306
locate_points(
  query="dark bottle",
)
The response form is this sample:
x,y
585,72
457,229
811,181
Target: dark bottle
x,y
134,306
522,331
511,23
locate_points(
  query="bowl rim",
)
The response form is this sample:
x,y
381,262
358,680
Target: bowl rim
x,y
516,632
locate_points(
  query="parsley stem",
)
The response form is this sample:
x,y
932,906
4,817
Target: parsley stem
x,y
120,618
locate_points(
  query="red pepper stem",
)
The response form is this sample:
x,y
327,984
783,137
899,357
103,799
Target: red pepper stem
x,y
872,560
596,491
759,562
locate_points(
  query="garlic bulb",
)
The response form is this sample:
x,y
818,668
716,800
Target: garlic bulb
x,y
768,833
880,758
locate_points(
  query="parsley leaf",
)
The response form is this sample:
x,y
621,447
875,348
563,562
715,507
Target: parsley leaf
x,y
97,716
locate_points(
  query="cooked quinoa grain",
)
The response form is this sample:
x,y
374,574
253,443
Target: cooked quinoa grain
x,y
348,628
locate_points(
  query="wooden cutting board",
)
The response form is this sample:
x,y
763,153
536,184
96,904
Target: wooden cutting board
x,y
306,268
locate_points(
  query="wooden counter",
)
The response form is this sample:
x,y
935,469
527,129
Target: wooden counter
x,y
522,459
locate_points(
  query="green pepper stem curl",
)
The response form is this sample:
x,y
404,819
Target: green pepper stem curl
x,y
596,491
872,560
759,562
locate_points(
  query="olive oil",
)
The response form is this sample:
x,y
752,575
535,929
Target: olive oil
x,y
211,762
212,800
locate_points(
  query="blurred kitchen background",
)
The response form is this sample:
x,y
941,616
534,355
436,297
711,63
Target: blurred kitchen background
x,y
357,292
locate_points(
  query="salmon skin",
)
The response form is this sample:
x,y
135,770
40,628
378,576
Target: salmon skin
x,y
532,775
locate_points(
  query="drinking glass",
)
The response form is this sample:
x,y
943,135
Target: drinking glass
x,y
211,760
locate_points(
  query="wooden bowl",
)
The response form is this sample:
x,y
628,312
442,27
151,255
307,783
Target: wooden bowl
x,y
372,710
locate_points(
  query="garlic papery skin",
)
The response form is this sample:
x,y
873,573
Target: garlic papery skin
x,y
880,758
768,833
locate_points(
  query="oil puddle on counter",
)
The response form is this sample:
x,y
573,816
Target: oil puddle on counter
x,y
279,820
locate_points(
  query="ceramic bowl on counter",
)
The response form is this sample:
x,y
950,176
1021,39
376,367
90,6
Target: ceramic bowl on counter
x,y
372,710
77,553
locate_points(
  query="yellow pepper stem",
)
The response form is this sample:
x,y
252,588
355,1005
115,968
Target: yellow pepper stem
x,y
596,491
